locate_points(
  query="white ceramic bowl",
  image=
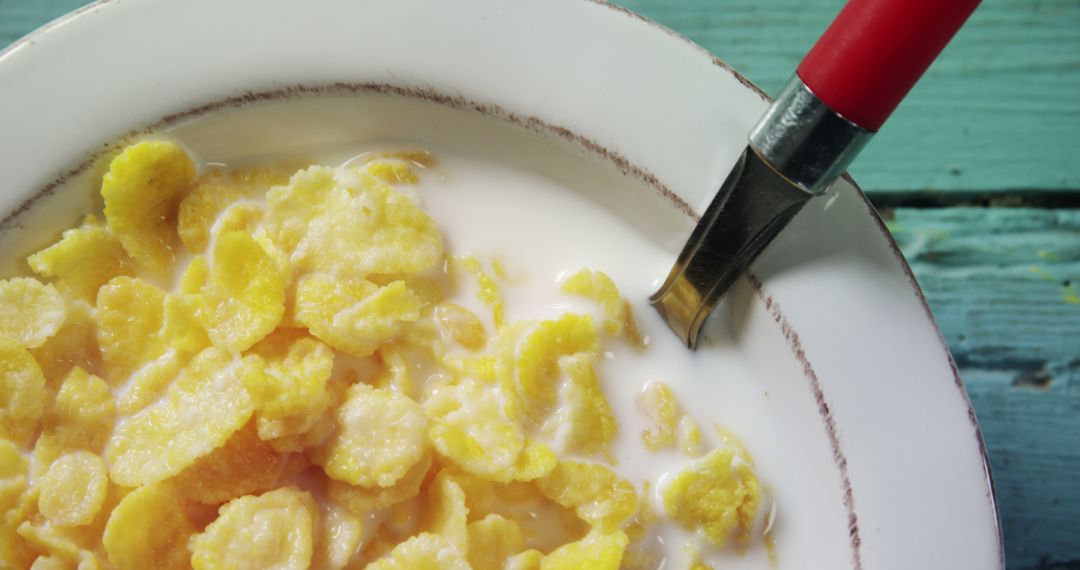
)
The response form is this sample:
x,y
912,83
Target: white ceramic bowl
x,y
891,468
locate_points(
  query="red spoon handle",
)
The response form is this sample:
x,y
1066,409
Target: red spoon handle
x,y
875,51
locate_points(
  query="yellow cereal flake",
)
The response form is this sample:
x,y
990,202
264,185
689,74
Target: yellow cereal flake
x,y
395,370
381,435
292,370
180,326
205,405
715,494
130,313
47,449
349,224
689,436
361,500
597,551
75,344
150,382
30,311
596,493
355,318
50,563
73,489
447,515
462,325
597,286
531,373
244,298
471,430
48,539
583,423
658,403
242,217
195,275
142,191
83,413
392,172
273,530
492,541
212,194
338,535
149,529
424,551
22,392
527,560
84,259
14,473
243,466
487,290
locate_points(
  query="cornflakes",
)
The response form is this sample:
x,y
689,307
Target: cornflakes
x,y
447,515
73,489
528,560
166,437
355,318
361,500
244,465
424,552
382,434
486,288
212,194
142,191
583,422
339,535
597,494
349,224
83,412
598,286
14,473
716,494
244,297
658,402
470,428
149,529
308,392
30,312
462,324
130,313
84,259
273,530
492,541
75,344
531,373
22,392
292,372
149,383
597,551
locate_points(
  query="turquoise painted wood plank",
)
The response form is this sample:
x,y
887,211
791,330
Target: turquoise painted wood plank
x,y
999,111
1004,284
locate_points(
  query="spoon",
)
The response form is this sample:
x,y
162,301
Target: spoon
x,y
842,92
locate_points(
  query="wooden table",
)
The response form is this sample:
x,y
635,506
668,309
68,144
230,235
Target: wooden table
x,y
978,173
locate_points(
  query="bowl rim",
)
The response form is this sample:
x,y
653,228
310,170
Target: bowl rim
x,y
624,164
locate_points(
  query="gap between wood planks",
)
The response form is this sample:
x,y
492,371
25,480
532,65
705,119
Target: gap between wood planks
x,y
886,200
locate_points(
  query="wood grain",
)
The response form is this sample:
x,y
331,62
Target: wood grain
x,y
1004,284
999,110
996,122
